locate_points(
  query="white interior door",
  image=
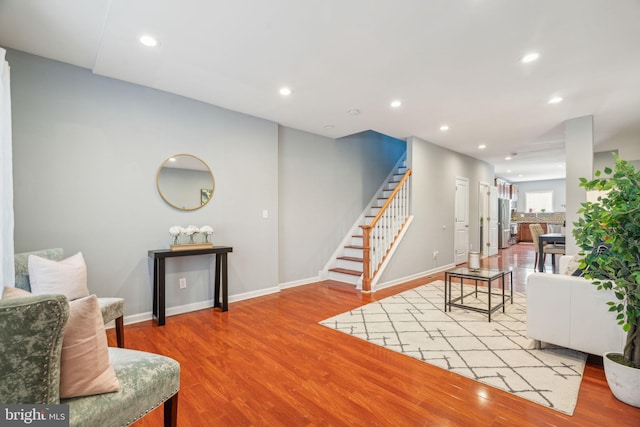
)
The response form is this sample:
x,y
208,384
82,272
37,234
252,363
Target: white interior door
x,y
461,236
493,221
483,213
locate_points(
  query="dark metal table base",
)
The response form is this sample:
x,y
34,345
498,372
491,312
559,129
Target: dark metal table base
x,y
481,275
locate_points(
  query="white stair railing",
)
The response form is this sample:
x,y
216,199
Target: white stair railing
x,y
381,233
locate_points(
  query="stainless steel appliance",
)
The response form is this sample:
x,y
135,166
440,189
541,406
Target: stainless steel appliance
x,y
504,223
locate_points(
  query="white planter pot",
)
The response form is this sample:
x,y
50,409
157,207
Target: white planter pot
x,y
623,381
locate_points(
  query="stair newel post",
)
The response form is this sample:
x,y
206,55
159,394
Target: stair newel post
x,y
366,257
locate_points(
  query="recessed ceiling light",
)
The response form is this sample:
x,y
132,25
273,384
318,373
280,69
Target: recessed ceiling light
x,y
508,158
148,41
353,111
172,159
396,103
482,146
555,100
508,170
329,126
530,57
285,91
520,175
444,128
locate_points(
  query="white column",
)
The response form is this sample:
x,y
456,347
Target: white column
x,y
6,178
579,160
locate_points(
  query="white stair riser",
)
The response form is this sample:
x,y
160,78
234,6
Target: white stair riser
x,y
346,278
356,240
349,265
351,252
380,202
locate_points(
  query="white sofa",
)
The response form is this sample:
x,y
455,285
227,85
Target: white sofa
x,y
571,312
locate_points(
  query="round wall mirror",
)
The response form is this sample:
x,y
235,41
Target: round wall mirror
x,y
185,182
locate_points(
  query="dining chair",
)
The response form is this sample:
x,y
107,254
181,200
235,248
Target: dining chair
x,y
548,248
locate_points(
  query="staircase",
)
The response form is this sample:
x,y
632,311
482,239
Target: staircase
x,y
348,263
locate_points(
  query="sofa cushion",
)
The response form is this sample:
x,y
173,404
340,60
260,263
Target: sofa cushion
x,y
67,277
85,366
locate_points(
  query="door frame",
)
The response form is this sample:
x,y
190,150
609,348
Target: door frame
x,y
461,257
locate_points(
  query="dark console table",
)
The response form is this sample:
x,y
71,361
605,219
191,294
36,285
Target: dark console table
x,y
220,277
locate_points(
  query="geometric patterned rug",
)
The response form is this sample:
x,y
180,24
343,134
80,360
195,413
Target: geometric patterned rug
x,y
496,353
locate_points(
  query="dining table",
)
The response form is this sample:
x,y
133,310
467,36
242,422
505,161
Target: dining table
x,y
555,238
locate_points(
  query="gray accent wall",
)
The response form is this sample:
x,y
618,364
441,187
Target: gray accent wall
x,y
324,186
87,150
86,153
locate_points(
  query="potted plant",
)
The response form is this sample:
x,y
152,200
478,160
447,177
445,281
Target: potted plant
x,y
612,224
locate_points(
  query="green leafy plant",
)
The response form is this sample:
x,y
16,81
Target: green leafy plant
x,y
614,221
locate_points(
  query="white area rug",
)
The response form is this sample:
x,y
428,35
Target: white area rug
x,y
496,353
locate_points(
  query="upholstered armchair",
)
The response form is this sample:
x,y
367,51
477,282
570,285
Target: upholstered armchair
x,y
32,330
112,308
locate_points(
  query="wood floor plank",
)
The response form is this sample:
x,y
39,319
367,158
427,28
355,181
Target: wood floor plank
x,y
267,362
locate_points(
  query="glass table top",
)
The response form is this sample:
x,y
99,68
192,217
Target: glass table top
x,y
484,273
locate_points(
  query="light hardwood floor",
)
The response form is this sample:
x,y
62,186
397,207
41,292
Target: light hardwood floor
x,y
267,362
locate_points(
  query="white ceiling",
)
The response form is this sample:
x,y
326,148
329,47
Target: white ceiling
x,y
449,61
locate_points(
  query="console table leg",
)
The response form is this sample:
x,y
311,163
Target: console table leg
x,y
155,288
225,290
161,292
216,282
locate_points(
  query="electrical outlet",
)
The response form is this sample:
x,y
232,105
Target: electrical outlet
x,y
435,254
183,283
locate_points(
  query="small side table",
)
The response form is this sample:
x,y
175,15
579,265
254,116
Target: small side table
x,y
480,275
220,277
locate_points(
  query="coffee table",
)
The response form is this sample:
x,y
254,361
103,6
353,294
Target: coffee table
x,y
490,276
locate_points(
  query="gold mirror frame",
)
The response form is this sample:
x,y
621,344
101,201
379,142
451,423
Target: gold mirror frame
x,y
185,182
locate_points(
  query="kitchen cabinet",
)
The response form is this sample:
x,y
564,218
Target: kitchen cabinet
x,y
524,233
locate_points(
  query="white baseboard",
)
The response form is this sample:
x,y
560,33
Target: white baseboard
x,y
300,282
187,308
412,277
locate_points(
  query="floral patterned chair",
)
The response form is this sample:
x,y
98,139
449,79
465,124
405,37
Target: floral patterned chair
x,y
31,343
112,308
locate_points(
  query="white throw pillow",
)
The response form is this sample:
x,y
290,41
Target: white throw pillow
x,y
67,277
